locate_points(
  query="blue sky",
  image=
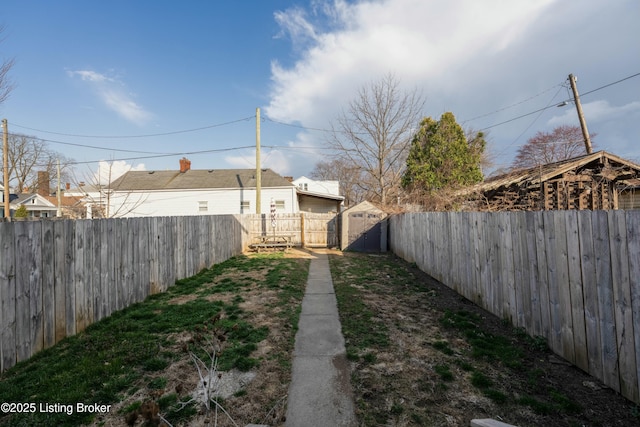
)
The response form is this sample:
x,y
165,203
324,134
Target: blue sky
x,y
166,77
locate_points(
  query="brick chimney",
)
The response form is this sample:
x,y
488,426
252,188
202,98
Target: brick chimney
x,y
185,165
43,183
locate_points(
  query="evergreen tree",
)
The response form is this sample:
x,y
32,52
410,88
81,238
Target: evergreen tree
x,y
441,156
21,212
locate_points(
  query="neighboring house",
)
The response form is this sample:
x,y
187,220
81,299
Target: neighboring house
x,y
593,181
321,187
40,206
37,205
198,192
318,196
94,198
12,196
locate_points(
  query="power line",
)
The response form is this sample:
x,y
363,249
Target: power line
x,y
514,105
298,126
550,106
89,146
136,136
610,84
530,124
184,153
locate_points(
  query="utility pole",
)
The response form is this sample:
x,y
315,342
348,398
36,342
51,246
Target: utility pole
x,y
583,123
258,170
5,167
59,211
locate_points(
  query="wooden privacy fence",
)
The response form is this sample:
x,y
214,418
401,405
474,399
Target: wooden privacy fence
x,y
305,229
58,277
572,277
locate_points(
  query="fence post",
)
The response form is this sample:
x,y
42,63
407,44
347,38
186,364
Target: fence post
x,y
302,229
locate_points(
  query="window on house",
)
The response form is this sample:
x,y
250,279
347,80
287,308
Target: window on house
x,y
303,186
203,206
279,205
245,206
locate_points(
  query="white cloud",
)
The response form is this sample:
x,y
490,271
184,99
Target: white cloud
x,y
365,40
273,159
283,159
109,171
112,92
491,63
90,76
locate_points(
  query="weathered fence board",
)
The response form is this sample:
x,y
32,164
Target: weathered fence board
x,y
590,295
25,266
7,298
605,299
79,277
572,277
543,281
575,293
622,303
633,242
532,273
58,277
69,278
48,285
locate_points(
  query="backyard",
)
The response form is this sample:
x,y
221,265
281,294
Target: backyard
x,y
216,349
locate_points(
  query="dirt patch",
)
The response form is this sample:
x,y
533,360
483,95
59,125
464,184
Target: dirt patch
x,y
432,371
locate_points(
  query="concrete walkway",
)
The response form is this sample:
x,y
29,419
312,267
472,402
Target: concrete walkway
x,y
320,390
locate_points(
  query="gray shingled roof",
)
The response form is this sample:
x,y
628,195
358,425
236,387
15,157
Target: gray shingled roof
x,y
197,179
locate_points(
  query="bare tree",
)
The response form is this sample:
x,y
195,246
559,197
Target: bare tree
x,y
27,156
102,199
478,142
346,174
6,85
564,142
374,134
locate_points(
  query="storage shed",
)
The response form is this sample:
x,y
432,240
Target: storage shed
x,y
364,228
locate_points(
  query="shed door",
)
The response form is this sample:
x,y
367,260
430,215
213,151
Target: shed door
x,y
364,231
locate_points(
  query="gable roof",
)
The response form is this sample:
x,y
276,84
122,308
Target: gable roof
x,y
66,201
197,180
364,206
542,173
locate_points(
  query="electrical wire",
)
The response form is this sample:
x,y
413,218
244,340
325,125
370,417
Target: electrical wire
x,y
184,153
568,100
298,126
159,155
89,146
550,103
610,84
137,136
513,105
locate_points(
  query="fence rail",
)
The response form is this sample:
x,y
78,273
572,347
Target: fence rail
x,y
572,277
58,277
